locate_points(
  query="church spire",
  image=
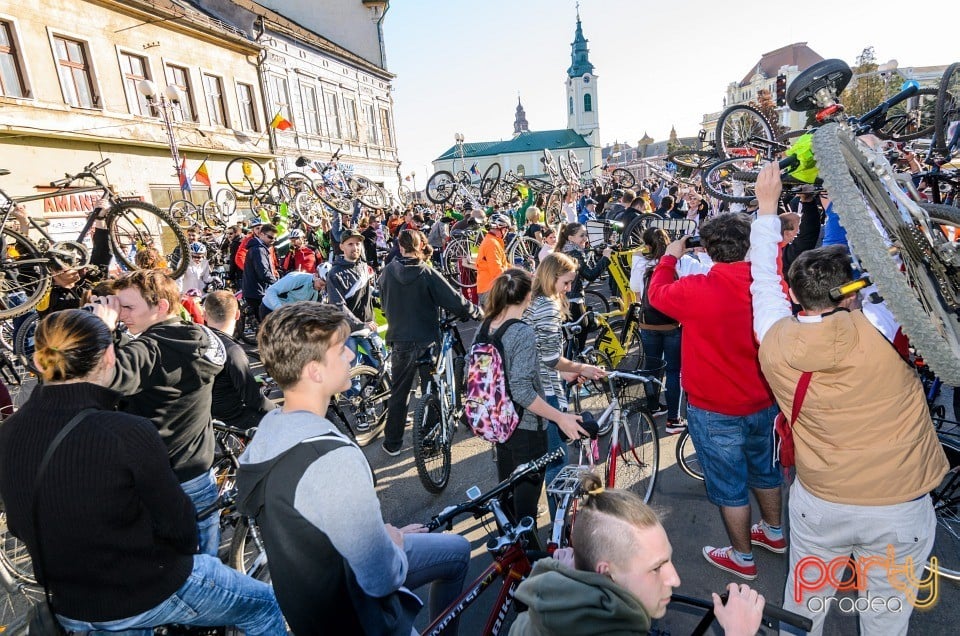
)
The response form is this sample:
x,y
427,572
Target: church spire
x,y
520,124
579,53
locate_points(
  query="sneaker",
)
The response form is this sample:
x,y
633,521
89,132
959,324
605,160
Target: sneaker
x,y
720,557
760,538
660,409
675,427
391,452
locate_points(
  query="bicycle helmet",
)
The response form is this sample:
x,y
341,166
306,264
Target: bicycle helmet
x,y
499,220
296,234
324,269
198,248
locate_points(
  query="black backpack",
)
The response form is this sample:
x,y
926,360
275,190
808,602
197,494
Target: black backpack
x,y
650,315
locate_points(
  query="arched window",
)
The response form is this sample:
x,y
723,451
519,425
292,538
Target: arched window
x,y
587,103
521,170
571,105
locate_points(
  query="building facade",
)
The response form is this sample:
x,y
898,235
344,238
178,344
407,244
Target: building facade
x,y
69,96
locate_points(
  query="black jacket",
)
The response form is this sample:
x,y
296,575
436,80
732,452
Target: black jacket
x,y
237,399
340,280
166,375
257,269
584,272
412,294
118,532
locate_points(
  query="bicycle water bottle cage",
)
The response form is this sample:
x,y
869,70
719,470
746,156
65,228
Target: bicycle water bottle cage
x,y
806,170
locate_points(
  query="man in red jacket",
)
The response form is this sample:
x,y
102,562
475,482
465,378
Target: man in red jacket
x,y
730,409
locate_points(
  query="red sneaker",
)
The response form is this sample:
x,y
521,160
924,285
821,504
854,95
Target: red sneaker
x,y
759,537
720,557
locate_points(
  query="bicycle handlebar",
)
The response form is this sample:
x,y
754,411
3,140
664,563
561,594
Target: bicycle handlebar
x,y
93,167
771,613
866,120
478,506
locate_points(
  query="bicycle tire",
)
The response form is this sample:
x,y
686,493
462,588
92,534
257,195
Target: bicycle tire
x,y
364,406
463,178
524,253
946,506
905,123
248,326
692,158
184,212
14,554
405,194
723,171
26,277
441,186
247,553
431,444
308,206
624,177
947,111
738,125
334,198
367,192
456,250
596,301
211,215
133,225
636,465
912,296
633,233
245,176
553,210
575,164
23,341
687,456
226,200
491,177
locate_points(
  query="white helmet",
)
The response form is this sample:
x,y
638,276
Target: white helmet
x,y
324,269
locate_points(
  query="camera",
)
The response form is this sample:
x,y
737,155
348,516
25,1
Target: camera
x,y
693,241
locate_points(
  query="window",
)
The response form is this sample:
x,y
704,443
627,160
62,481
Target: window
x,y
12,83
134,69
216,109
369,112
571,105
311,116
248,107
587,103
74,70
180,77
350,110
333,114
385,127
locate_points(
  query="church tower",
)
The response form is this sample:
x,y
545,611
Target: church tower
x,y
581,103
520,124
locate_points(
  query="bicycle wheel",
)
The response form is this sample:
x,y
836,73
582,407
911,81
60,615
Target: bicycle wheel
x,y
633,233
184,212
553,210
405,194
134,225
24,277
914,295
566,172
440,186
687,456
334,198
693,159
636,461
245,176
947,113
23,345
946,505
308,206
226,201
431,444
720,183
596,301
367,192
910,118
14,554
364,404
575,164
491,177
624,177
247,553
523,253
739,127
211,215
454,259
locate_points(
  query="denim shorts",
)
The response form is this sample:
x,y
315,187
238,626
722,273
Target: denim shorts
x,y
736,453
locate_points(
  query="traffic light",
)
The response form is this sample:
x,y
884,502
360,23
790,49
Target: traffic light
x,y
781,90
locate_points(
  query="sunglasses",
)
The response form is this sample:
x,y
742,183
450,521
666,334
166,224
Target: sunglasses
x,y
272,237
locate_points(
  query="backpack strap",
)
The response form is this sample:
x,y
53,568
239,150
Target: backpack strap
x,y
799,394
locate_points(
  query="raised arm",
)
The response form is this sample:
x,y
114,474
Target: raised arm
x,y
770,301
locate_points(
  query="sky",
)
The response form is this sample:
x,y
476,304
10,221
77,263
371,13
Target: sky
x,y
461,64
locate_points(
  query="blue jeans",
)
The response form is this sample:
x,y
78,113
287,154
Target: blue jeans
x,y
203,492
442,560
555,441
665,345
736,453
212,595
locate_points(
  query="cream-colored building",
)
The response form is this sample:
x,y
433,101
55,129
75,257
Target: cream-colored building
x,y
68,96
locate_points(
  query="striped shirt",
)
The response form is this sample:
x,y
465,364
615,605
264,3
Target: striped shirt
x,y
543,315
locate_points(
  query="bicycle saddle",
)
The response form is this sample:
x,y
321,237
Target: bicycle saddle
x,y
829,74
4,172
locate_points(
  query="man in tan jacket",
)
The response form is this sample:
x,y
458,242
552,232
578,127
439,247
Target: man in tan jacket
x,y
866,451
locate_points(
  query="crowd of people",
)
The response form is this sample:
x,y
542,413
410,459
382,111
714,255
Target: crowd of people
x,y
736,334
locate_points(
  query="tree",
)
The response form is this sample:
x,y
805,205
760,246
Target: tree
x,y
768,108
867,88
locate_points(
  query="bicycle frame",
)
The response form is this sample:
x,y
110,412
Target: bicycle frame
x,y
614,346
442,379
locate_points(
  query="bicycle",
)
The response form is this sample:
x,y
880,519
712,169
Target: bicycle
x,y
459,255
773,616
512,562
946,138
442,186
26,267
360,412
440,409
946,505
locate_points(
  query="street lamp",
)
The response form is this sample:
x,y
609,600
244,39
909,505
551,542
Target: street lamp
x,y
163,106
413,175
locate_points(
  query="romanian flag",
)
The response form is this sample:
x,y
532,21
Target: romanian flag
x,y
184,179
407,178
279,123
473,169
201,175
